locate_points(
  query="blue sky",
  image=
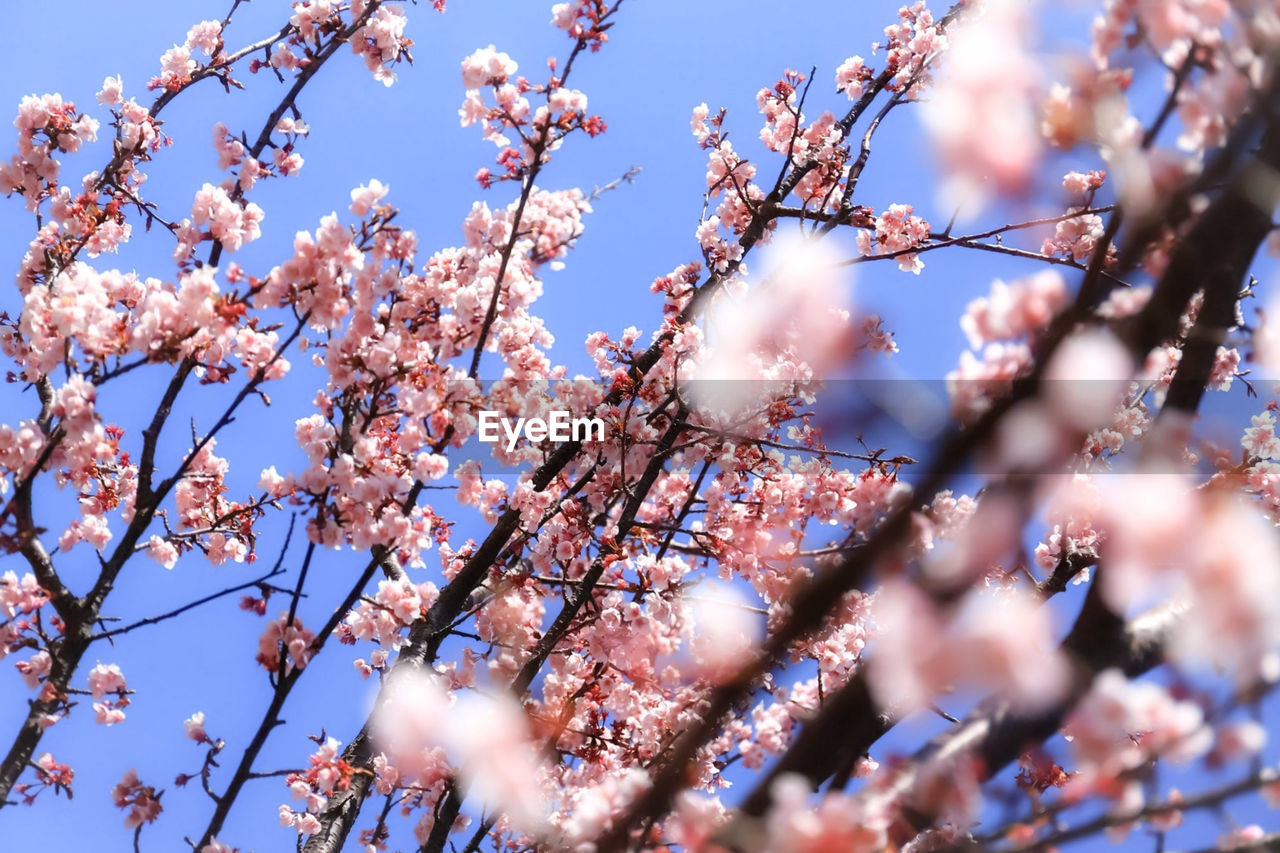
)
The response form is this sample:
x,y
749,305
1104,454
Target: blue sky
x,y
663,58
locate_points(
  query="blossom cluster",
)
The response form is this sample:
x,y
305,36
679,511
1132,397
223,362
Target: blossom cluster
x,y
717,569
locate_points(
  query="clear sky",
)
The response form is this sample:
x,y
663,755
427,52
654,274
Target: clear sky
x,y
664,57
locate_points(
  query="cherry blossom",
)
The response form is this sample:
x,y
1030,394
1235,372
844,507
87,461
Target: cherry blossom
x,y
193,726
582,645
142,801
1260,439
229,223
987,92
852,76
292,636
897,231
1014,310
106,680
487,67
998,639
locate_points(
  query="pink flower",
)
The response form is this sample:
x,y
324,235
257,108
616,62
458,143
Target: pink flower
x,y
104,679
273,484
852,76
915,39
1075,237
839,821
289,124
1245,835
994,639
1080,184
230,223
598,805
981,118
1266,337
364,197
1102,727
92,529
286,162
381,41
230,150
1226,363
50,772
489,740
35,668
792,326
897,231
1260,440
698,124
111,93
724,629
283,57
193,726
1238,741
107,714
720,252
1229,548
487,67
295,638
308,15
395,606
564,15
314,435
176,67
20,597
163,552
1125,302
205,37
976,382
877,338
258,351
1087,378
430,466
141,800
1014,310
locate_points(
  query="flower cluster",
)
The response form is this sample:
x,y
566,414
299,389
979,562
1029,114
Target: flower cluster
x,y
142,801
896,232
540,131
292,637
110,694
46,125
19,601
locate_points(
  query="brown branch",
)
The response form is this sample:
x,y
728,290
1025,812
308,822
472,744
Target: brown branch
x,y
815,597
427,633
538,148
283,687
560,627
1206,799
1267,844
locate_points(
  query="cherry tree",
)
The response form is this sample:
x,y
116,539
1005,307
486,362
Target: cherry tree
x,y
726,621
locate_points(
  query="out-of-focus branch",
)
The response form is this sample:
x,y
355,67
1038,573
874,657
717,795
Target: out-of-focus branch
x,y
849,722
1153,325
996,733
1266,844
1203,800
1215,254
